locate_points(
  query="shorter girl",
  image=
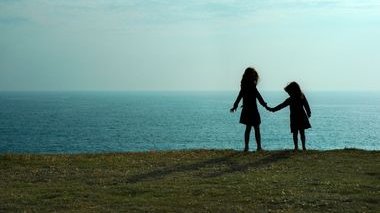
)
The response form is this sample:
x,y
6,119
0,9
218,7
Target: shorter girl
x,y
299,121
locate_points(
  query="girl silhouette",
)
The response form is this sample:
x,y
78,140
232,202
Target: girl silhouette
x,y
299,121
250,115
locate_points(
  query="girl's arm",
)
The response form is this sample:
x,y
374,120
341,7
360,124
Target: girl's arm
x,y
236,104
281,106
260,98
307,107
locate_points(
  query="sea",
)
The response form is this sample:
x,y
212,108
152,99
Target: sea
x,y
103,122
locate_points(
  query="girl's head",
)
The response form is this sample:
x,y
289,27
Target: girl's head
x,y
250,77
294,90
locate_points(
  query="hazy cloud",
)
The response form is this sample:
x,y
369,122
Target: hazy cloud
x,y
169,44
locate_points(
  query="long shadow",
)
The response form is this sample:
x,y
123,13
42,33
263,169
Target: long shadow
x,y
227,160
263,162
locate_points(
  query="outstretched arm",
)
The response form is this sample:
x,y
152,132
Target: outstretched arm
x,y
260,98
281,106
236,104
307,107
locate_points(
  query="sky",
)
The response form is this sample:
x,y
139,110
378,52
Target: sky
x,y
188,44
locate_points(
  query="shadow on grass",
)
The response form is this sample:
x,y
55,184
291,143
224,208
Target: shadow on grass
x,y
230,163
267,160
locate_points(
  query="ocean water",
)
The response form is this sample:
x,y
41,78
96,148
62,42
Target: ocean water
x,y
92,122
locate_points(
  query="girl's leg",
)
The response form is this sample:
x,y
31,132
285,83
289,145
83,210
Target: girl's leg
x,y
303,139
246,137
258,137
295,140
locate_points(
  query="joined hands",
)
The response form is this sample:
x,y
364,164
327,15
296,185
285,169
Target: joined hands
x,y
233,109
270,109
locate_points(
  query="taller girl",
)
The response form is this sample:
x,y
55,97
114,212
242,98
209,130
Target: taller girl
x,y
250,115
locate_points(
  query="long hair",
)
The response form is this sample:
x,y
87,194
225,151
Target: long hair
x,y
250,78
294,90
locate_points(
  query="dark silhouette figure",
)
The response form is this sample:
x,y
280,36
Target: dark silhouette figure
x,y
299,119
250,115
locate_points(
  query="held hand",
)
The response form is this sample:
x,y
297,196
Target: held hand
x,y
269,109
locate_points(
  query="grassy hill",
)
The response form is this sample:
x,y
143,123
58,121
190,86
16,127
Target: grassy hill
x,y
193,181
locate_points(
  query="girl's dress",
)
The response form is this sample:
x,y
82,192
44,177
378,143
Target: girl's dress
x,y
249,114
298,117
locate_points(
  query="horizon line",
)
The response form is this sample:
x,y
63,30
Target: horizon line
x,y
163,90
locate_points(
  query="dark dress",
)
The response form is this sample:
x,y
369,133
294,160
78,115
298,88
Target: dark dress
x,y
298,117
249,114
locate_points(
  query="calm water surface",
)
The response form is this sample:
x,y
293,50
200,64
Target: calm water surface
x,y
77,122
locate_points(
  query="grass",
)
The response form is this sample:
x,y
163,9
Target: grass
x,y
192,181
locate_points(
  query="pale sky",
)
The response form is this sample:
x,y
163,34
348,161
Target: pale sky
x,y
188,44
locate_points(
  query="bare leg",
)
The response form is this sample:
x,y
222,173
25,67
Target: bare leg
x,y
303,139
258,137
295,140
246,137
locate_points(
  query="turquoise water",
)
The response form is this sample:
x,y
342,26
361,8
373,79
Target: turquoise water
x,y
78,122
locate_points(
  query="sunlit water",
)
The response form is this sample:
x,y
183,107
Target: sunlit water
x,y
76,122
